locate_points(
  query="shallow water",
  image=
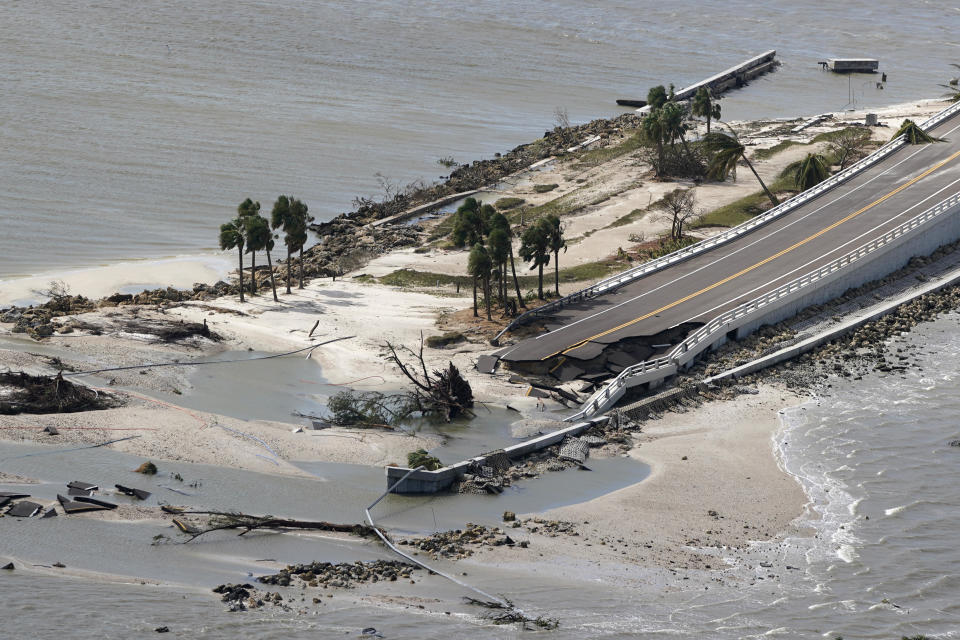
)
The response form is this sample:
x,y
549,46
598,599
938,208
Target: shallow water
x,y
133,133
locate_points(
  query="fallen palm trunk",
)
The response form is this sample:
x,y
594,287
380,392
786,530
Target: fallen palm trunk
x,y
221,521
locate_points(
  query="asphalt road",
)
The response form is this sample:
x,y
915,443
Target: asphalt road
x,y
901,186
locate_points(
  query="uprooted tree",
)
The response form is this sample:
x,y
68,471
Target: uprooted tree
x,y
443,393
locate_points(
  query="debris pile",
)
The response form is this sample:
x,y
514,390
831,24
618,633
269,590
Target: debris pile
x,y
24,393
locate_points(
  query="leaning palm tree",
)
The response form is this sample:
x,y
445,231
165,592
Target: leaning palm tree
x,y
914,134
232,237
811,171
727,152
260,238
555,242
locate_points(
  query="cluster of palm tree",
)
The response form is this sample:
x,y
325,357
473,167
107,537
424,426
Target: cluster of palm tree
x,y
664,126
250,232
488,234
541,239
952,86
490,237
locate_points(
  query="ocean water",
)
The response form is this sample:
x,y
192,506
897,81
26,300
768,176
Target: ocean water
x,y
132,131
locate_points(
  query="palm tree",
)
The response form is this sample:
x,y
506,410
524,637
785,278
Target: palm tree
x,y
727,152
246,211
705,106
534,247
914,134
232,237
479,267
260,238
298,211
673,123
811,171
656,97
471,223
499,221
291,215
651,127
555,242
499,241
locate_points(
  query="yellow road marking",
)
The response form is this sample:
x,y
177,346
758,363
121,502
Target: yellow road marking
x,y
762,262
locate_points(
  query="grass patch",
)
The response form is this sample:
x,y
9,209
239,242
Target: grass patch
x,y
591,271
764,154
596,157
504,204
826,136
630,218
544,188
750,206
414,278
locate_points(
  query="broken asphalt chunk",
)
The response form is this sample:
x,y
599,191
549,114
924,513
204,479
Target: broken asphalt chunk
x,y
487,364
69,506
99,503
82,486
51,513
136,493
24,509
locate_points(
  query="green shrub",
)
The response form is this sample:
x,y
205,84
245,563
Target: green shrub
x,y
438,342
508,203
420,457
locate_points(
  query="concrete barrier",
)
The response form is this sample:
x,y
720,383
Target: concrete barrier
x,y
403,480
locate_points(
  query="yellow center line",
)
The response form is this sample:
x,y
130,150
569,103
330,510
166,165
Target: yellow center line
x,y
762,262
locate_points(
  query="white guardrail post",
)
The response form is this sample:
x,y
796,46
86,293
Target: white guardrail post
x,y
625,277
685,351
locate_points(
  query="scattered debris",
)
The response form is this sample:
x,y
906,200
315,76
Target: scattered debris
x,y
7,567
509,614
162,629
51,430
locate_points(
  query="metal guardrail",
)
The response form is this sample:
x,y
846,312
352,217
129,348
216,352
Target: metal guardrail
x,y
701,338
614,282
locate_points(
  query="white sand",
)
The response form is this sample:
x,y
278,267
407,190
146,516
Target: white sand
x,y
98,282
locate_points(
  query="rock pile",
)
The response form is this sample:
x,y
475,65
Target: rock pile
x,y
343,575
460,543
